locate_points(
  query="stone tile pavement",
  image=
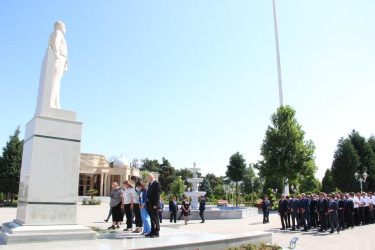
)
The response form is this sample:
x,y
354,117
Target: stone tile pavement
x,y
357,238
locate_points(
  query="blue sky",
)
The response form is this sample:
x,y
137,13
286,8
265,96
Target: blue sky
x,y
194,80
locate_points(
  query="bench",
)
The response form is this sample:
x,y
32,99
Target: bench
x,y
222,203
293,242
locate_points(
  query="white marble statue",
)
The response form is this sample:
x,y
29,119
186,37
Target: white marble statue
x,y
60,63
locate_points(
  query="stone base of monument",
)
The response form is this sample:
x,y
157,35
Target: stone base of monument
x,y
47,204
14,233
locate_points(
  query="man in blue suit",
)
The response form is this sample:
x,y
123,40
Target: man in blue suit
x,y
173,208
332,209
304,206
294,208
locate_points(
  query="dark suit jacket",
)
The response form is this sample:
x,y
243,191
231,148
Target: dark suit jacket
x,y
265,206
153,194
325,205
283,206
349,206
305,204
202,205
173,207
333,206
294,204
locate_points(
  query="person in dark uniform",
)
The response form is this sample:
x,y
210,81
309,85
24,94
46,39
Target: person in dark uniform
x,y
304,206
341,211
313,211
349,211
332,209
202,207
323,212
294,209
173,208
288,213
153,199
283,209
266,210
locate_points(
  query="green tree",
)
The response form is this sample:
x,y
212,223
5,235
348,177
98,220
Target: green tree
x,y
327,183
150,165
167,176
345,164
249,173
214,180
178,187
92,193
366,159
10,165
206,186
218,191
185,174
236,170
285,151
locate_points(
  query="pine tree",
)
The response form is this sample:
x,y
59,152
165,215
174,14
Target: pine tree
x,y
366,159
236,170
10,165
206,186
345,164
327,183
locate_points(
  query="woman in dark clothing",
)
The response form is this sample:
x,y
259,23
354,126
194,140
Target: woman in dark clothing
x,y
186,209
117,205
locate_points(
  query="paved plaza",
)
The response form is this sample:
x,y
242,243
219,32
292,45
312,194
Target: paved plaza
x,y
358,238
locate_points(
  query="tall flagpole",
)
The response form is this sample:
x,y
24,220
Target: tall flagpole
x,y
285,180
277,54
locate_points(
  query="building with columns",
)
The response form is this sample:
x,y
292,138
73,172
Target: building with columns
x,y
96,173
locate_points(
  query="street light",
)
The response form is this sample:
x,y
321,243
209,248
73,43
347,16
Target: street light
x,y
252,188
361,180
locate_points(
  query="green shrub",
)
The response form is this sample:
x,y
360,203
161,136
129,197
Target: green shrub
x,y
1,196
251,246
85,201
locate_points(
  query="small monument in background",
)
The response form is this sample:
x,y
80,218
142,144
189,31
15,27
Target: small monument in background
x,y
47,203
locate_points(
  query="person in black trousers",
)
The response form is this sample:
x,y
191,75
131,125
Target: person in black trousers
x,y
182,212
173,208
323,212
341,211
202,207
266,210
283,209
153,199
349,211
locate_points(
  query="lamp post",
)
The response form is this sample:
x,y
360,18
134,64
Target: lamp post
x,y
360,179
252,188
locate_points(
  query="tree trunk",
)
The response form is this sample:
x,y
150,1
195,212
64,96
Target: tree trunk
x,y
236,194
11,198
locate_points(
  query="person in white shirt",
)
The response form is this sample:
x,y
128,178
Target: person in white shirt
x,y
372,204
366,208
128,199
356,209
361,208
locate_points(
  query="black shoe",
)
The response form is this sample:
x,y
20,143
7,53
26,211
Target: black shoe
x,y
283,228
155,236
202,221
305,230
331,232
106,220
148,235
293,229
112,228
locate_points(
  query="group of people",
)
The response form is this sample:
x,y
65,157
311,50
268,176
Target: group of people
x,y
324,211
143,206
138,200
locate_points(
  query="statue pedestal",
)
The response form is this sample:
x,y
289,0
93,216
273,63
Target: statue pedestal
x,y
47,203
